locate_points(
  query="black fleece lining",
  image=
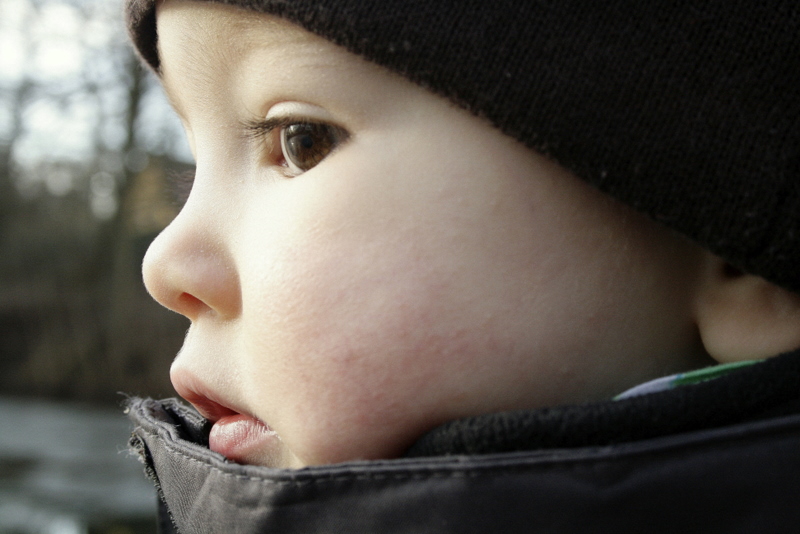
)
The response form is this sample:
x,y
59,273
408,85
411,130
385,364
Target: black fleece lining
x,y
770,388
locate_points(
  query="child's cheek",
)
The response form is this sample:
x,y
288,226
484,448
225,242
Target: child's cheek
x,y
344,339
375,304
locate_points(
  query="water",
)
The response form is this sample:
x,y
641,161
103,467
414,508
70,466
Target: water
x,y
65,469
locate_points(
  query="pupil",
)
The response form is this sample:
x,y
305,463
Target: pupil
x,y
306,141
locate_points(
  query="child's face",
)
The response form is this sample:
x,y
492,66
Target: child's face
x,y
424,267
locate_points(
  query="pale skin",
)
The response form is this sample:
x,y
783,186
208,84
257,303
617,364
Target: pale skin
x,y
427,268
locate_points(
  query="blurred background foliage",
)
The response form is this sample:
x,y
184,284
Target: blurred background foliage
x,y
86,144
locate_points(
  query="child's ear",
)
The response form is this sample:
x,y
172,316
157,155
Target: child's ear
x,y
744,317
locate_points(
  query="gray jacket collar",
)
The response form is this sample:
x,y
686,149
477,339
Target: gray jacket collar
x,y
735,477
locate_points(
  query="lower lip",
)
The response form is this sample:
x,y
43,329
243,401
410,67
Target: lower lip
x,y
245,440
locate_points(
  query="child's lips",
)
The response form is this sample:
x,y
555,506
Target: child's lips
x,y
244,439
204,400
239,437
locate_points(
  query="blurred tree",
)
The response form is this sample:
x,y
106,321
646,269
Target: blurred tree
x,y
85,144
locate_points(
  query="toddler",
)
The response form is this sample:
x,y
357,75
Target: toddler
x,y
479,267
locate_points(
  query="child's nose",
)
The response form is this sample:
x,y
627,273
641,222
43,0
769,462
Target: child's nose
x,y
189,270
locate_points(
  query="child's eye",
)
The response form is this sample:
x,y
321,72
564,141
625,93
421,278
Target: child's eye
x,y
305,144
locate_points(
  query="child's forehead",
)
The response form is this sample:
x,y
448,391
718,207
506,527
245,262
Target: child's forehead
x,y
210,48
199,30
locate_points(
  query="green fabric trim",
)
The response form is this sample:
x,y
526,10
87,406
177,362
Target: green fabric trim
x,y
709,373
683,379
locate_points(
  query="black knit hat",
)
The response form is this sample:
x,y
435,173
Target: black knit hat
x,y
688,111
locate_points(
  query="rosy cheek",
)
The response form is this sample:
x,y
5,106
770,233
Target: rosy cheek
x,y
332,356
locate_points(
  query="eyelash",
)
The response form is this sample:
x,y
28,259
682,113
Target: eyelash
x,y
261,129
179,185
